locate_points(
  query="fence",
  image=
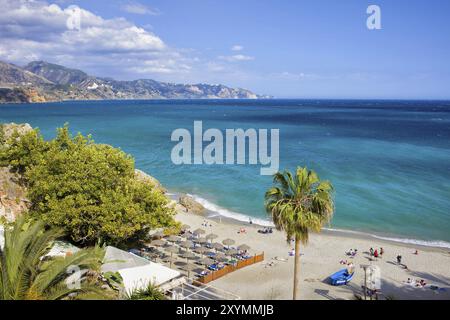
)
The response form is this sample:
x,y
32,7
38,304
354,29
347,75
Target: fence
x,y
230,268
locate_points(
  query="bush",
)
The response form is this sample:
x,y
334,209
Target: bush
x,y
86,188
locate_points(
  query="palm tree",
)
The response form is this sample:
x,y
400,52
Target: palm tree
x,y
299,204
149,292
26,275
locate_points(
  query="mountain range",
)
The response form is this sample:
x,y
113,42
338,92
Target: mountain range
x,y
40,81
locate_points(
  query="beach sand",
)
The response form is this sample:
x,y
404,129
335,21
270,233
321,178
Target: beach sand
x,y
319,259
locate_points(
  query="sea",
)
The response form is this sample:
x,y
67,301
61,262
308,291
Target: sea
x,y
388,160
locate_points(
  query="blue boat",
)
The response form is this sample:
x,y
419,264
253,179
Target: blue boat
x,y
341,277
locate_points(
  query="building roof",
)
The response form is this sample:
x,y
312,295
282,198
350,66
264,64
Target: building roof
x,y
140,277
116,259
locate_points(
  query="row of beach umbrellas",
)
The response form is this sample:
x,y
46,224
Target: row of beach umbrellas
x,y
188,244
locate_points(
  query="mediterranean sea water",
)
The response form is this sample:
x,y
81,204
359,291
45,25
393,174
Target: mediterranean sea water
x,y
389,161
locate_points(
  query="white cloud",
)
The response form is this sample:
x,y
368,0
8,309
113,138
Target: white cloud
x,y
36,30
139,8
236,58
237,47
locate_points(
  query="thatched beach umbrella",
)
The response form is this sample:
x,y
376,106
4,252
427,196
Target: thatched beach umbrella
x,y
186,235
200,250
199,231
206,261
158,243
172,250
217,246
188,255
211,236
228,242
201,240
231,252
187,244
185,227
189,267
220,257
243,247
173,238
170,260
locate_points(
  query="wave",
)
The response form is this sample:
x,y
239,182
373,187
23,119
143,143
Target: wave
x,y
425,243
216,210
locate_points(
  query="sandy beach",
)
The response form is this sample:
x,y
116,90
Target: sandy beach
x,y
321,258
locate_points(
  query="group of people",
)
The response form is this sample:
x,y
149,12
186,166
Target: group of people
x,y
418,283
205,223
242,230
266,230
352,252
376,253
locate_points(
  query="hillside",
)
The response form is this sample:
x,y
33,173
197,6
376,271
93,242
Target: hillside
x,y
40,81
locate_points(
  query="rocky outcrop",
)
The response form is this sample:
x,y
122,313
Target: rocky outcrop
x,y
142,176
13,201
191,205
9,128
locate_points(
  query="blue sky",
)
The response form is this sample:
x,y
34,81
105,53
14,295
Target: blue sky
x,y
305,49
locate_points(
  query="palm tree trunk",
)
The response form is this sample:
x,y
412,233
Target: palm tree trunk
x,y
296,269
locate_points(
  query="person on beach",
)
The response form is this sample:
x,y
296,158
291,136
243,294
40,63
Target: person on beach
x,y
381,252
371,252
350,268
416,252
375,253
399,259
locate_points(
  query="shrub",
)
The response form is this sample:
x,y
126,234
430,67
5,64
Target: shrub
x,y
86,188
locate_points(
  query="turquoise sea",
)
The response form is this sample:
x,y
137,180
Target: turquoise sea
x,y
388,160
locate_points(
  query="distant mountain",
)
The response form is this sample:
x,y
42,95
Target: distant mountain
x,y
12,74
56,73
42,81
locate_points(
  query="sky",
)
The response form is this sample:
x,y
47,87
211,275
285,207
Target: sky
x,y
287,48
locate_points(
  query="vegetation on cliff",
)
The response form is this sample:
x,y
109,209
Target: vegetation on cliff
x,y
87,189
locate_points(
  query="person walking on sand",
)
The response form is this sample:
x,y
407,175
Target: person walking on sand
x,y
350,268
371,252
399,259
381,252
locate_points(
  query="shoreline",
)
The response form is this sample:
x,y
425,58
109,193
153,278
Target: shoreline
x,y
213,212
272,278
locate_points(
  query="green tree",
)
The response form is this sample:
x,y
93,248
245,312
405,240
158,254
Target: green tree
x,y
298,205
25,275
20,152
87,189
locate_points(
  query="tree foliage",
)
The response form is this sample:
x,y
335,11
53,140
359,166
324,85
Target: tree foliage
x,y
299,203
150,292
25,275
86,188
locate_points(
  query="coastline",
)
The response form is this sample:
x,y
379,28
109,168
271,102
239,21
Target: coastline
x,y
216,213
